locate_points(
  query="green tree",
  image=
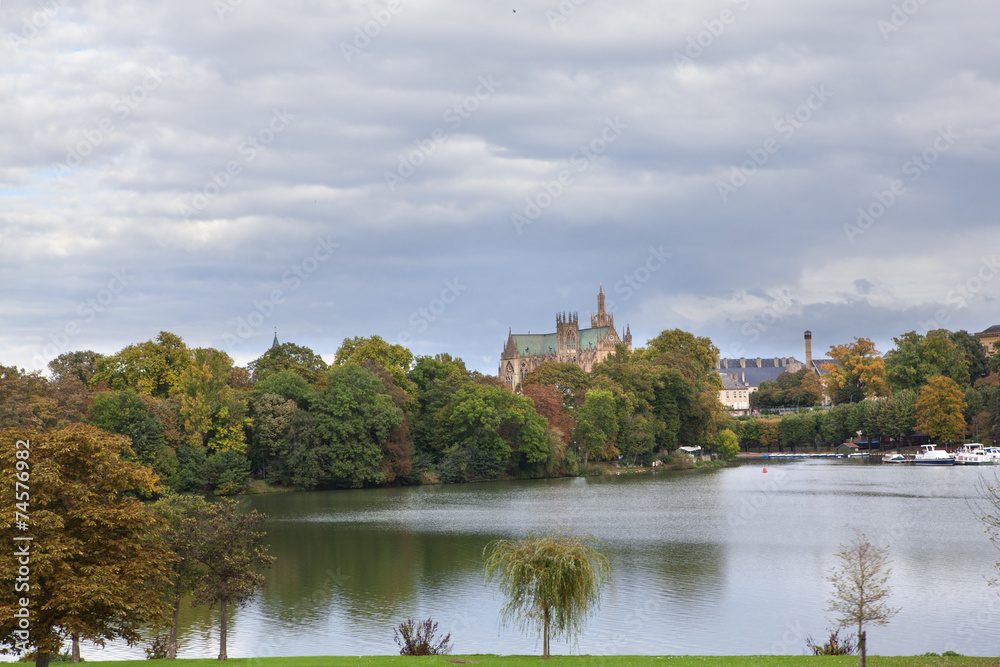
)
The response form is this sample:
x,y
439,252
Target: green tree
x,y
973,351
728,444
860,588
393,357
289,385
917,358
489,429
124,412
939,409
230,554
98,563
552,583
355,419
290,357
183,533
596,423
857,372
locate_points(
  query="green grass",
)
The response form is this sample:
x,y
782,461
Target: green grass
x,y
584,660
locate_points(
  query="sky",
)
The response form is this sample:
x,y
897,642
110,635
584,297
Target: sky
x,y
440,172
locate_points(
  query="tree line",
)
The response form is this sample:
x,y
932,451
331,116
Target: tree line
x,y
940,385
375,416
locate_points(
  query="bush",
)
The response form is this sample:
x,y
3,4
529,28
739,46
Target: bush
x,y
834,646
157,649
418,638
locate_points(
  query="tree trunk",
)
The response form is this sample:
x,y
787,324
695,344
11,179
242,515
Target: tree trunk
x,y
75,654
861,647
172,638
222,635
586,454
42,659
545,637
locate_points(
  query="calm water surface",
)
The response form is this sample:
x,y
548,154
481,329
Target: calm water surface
x,y
704,562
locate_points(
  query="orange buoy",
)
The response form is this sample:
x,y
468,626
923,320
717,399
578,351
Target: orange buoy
x,y
765,469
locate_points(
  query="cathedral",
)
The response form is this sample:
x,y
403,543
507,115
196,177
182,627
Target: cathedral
x,y
569,344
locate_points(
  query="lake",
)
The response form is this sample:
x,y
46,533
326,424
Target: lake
x,y
729,561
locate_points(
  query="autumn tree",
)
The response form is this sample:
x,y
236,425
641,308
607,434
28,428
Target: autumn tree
x,y
97,561
860,588
26,399
857,372
552,583
939,409
571,380
152,368
728,444
231,553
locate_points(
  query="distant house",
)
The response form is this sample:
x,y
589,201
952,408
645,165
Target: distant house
x,y
988,337
847,448
735,394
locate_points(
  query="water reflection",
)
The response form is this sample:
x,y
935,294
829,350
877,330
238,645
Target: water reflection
x,y
705,562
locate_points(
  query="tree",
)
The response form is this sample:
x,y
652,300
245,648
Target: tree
x,y
860,588
571,380
355,419
728,444
124,412
183,533
552,582
393,357
917,358
152,368
596,423
857,372
98,564
288,357
80,365
939,409
231,552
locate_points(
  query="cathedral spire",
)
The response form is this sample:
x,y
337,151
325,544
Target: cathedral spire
x,y
275,343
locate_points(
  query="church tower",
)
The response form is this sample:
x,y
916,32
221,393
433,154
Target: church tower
x,y
601,318
567,332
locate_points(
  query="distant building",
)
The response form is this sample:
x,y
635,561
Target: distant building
x,y
569,344
735,394
988,337
749,373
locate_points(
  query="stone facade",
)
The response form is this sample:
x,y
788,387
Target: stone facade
x,y
569,344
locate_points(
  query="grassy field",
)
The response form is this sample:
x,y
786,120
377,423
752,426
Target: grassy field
x,y
575,660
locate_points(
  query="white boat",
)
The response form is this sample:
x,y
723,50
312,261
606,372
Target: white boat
x,y
993,453
895,457
929,456
972,454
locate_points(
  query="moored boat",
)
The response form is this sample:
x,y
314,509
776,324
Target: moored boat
x,y
930,456
895,457
972,454
993,453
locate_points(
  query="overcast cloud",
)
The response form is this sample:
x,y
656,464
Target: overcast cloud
x,y
438,172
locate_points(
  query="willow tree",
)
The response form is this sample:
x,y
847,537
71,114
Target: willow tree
x,y
860,588
552,583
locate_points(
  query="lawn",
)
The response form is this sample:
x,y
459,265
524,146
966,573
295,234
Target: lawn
x,y
567,661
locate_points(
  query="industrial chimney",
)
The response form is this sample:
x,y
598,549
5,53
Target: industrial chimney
x,y
809,349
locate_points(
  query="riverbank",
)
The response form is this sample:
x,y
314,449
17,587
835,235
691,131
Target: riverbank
x,y
575,660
